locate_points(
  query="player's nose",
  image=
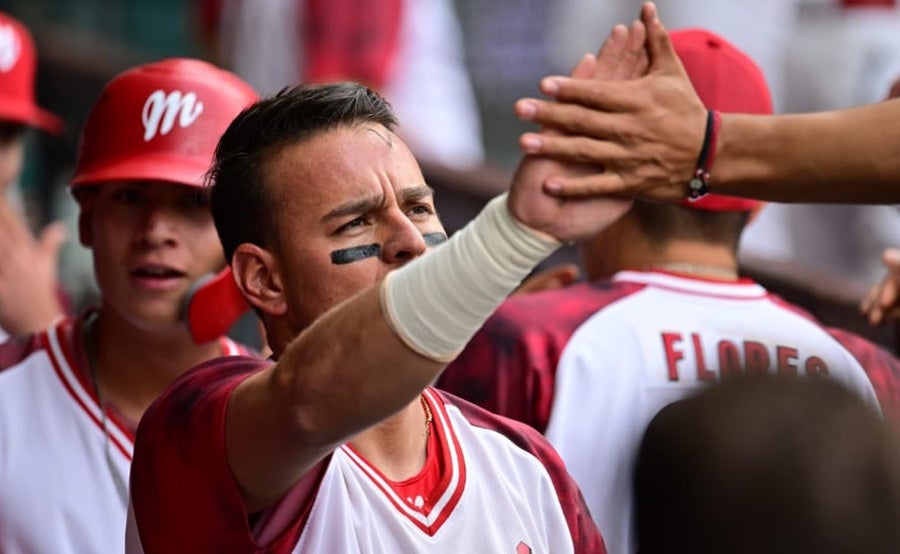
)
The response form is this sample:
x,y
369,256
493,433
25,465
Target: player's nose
x,y
155,228
405,241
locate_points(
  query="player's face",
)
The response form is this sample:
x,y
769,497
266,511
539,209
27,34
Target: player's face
x,y
150,242
352,205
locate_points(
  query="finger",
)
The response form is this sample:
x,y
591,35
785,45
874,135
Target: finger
x,y
879,296
597,184
869,299
875,314
610,55
609,96
583,69
874,309
571,118
609,183
890,257
887,296
870,308
575,119
636,57
573,149
662,54
585,66
52,238
649,13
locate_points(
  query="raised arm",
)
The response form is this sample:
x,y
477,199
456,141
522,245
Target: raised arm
x,y
371,356
648,132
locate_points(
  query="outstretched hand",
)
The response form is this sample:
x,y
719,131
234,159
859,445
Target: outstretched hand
x,y
882,302
645,127
622,56
28,274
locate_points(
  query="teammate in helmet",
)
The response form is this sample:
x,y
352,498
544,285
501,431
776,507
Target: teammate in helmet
x,y
28,295
71,396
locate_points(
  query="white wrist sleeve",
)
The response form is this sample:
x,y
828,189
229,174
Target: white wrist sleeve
x,y
436,303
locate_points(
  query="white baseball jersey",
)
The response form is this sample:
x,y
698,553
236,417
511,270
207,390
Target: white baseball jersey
x,y
489,485
592,364
63,478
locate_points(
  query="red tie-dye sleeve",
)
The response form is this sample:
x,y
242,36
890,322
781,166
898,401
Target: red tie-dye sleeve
x,y
882,368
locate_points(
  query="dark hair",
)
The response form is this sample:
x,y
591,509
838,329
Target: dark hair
x,y
769,464
241,204
665,222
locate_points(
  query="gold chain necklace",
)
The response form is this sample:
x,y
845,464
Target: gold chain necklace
x,y
428,416
699,270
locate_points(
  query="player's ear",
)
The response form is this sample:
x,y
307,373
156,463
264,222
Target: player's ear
x,y
258,275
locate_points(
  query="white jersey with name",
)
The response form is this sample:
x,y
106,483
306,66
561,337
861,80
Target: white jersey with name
x,y
496,486
63,476
592,364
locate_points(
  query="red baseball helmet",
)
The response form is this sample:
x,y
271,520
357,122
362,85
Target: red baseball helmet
x,y
727,80
159,122
18,63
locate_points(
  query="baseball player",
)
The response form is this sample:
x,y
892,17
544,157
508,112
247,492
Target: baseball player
x,y
29,300
71,396
664,313
340,445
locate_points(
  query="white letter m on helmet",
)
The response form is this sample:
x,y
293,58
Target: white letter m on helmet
x,y
161,109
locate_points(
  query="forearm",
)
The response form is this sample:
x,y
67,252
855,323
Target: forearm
x,y
839,156
343,374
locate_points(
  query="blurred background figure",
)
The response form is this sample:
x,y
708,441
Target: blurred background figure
x,y
71,395
409,50
769,464
29,298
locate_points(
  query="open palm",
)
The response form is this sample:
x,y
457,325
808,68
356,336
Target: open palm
x,y
622,56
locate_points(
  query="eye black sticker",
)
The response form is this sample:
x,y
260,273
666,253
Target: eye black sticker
x,y
434,239
355,254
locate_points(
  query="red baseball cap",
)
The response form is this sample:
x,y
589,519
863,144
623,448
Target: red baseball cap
x,y
18,63
726,80
159,122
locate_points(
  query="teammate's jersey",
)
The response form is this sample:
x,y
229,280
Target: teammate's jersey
x,y
592,364
63,480
497,487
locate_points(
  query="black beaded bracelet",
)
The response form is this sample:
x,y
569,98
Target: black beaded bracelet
x,y
699,184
